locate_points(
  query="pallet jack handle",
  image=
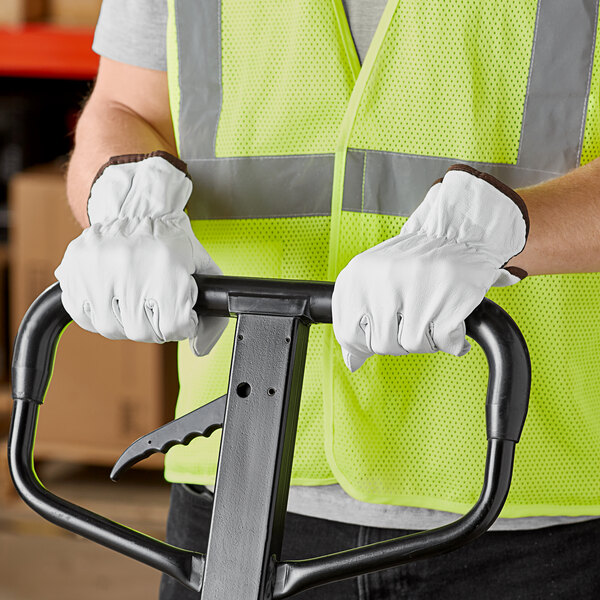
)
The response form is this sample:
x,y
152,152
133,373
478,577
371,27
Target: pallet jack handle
x,y
260,306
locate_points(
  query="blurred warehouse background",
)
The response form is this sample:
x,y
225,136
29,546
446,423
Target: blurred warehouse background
x,y
46,71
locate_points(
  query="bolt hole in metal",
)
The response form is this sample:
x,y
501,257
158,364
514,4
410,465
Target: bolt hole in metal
x,y
243,389
240,337
271,391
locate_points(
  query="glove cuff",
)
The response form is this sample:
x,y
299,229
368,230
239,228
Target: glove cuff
x,y
500,186
139,185
516,271
475,209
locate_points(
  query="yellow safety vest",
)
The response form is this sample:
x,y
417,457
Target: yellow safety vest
x,y
301,159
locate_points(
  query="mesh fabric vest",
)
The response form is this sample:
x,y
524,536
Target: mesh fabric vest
x,y
301,159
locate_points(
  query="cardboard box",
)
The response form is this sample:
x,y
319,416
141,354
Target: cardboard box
x,y
81,13
16,12
104,394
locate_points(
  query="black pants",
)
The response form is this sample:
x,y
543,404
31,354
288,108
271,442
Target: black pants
x,y
555,562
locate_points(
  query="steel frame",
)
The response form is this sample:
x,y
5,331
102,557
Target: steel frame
x,y
259,420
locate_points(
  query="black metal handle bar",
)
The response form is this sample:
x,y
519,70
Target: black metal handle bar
x,y
489,325
506,408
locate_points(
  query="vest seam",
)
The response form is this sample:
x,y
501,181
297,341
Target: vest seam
x,y
344,39
262,157
364,180
526,103
219,76
458,159
271,216
180,103
431,157
176,126
372,211
345,135
588,90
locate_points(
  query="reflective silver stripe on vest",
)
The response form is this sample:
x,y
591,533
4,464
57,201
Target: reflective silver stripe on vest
x,y
261,187
199,49
377,182
559,85
551,133
300,186
395,184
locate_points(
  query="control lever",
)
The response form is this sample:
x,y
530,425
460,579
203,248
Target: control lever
x,y
201,422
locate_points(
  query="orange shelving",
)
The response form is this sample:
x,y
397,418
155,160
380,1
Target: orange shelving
x,y
39,50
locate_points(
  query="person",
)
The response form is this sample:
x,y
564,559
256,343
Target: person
x,y
313,133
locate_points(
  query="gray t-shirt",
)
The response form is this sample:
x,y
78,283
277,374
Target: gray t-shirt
x,y
134,32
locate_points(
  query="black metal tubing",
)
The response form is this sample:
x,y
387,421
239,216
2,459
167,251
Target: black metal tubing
x,y
217,294
183,565
509,379
506,406
35,348
296,576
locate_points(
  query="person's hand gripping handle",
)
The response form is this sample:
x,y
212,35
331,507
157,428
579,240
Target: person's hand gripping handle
x,y
413,292
129,275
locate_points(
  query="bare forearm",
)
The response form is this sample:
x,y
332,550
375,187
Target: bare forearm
x,y
564,215
127,113
102,132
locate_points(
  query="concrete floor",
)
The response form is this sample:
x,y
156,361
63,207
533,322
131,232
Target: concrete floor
x,y
58,568
38,561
